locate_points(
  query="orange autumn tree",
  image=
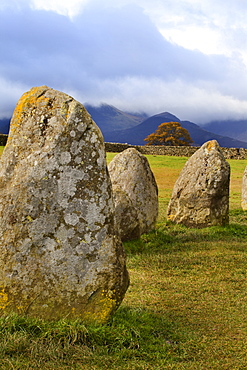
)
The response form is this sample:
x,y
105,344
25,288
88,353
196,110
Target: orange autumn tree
x,y
169,133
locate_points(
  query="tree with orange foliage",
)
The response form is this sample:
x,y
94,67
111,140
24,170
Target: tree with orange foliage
x,y
169,133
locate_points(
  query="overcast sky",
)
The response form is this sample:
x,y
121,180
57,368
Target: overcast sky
x,y
187,57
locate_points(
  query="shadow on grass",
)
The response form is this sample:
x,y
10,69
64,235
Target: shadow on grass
x,y
169,237
133,333
141,330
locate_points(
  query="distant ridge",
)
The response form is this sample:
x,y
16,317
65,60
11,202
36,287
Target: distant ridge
x,y
136,135
110,118
124,127
237,129
4,125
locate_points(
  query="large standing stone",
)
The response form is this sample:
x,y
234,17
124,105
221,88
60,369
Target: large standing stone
x,y
130,172
200,196
60,256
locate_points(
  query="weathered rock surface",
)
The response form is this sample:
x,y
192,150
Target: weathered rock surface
x,y
126,215
130,172
60,256
244,191
200,196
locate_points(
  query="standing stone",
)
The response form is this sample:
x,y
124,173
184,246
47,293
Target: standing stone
x,y
60,256
200,196
126,215
244,191
130,172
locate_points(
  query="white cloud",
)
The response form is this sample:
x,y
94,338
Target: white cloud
x,y
113,51
69,8
211,26
199,104
10,92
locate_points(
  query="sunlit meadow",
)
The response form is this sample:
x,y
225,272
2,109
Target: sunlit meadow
x,y
185,307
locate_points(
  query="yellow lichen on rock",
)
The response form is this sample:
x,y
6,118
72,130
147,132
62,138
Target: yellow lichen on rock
x,y
27,100
244,205
212,144
4,300
59,242
171,217
64,110
104,305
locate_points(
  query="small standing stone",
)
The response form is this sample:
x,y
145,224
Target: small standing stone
x,y
200,196
130,172
244,191
60,253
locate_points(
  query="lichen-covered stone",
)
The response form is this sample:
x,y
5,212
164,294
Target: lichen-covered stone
x,y
244,191
130,172
126,215
200,196
60,256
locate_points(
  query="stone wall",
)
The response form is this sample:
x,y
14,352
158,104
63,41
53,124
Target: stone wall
x,y
3,139
178,151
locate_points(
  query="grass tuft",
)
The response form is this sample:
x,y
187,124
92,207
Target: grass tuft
x,y
132,335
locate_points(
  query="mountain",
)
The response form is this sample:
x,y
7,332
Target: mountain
x,y
123,127
107,117
110,118
200,136
136,135
236,129
4,125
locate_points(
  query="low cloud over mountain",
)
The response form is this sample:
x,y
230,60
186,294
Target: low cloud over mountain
x,y
123,127
121,53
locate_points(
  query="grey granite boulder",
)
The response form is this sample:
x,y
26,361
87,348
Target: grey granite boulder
x,y
200,196
130,172
60,253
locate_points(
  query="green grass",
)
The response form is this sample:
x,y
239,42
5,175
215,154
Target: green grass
x,y
185,308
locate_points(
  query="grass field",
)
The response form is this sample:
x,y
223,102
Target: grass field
x,y
186,306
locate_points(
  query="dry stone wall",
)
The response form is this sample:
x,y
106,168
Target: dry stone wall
x,y
3,139
179,151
